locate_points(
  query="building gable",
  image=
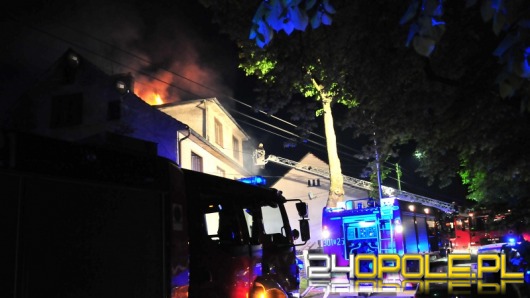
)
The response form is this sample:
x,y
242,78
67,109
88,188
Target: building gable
x,y
211,121
314,190
77,101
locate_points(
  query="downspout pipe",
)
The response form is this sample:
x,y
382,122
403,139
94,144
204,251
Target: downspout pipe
x,y
180,146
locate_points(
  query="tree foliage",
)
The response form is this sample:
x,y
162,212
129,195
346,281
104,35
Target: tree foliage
x,y
510,22
448,92
288,15
293,73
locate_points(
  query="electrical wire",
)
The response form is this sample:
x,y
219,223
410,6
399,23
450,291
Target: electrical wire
x,y
185,90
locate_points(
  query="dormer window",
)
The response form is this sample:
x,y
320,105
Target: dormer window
x,y
122,87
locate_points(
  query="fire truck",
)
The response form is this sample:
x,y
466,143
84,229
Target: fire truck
x,y
472,228
391,227
400,223
90,221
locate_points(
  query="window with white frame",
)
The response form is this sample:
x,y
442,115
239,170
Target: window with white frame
x,y
235,148
196,162
218,132
221,172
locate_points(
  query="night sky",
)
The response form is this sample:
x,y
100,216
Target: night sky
x,y
173,49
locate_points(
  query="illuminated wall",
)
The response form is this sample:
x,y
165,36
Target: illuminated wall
x,y
201,115
294,185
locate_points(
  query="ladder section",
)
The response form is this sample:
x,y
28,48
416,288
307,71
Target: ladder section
x,y
318,171
386,228
414,198
362,184
386,237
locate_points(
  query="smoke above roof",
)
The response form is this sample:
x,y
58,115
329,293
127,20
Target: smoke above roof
x,y
171,48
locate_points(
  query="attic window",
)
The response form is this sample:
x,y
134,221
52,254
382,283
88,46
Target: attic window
x,y
121,86
73,60
70,71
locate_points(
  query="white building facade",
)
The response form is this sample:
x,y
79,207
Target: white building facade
x,y
214,142
313,190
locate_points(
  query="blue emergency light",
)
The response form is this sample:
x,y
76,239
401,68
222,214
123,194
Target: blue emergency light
x,y
254,180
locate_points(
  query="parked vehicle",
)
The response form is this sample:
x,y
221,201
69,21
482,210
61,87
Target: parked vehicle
x,y
475,228
85,221
490,284
394,227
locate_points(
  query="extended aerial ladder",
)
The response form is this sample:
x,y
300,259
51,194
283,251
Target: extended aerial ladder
x,y
261,160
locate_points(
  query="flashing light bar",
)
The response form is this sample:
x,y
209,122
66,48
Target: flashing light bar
x,y
254,180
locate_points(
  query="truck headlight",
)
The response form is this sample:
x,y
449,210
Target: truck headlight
x,y
326,233
259,291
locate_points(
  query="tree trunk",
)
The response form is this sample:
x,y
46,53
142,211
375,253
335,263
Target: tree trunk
x,y
336,187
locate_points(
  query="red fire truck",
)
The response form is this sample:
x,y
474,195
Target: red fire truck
x,y
88,221
473,228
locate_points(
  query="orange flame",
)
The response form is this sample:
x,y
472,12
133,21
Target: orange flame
x,y
151,97
156,99
153,91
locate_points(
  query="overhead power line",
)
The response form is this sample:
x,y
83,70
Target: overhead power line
x,y
135,56
169,71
